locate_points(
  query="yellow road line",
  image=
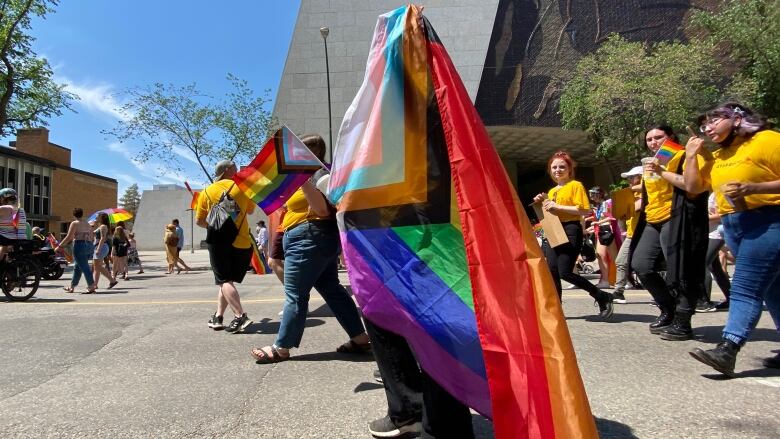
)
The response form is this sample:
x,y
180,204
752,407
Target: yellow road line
x,y
166,302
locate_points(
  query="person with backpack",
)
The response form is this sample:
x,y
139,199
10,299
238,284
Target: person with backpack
x,y
222,210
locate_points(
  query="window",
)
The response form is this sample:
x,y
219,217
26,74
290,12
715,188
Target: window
x,y
28,190
11,178
45,194
63,230
2,176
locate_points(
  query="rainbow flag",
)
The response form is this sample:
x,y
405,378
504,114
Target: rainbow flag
x,y
438,246
258,261
279,169
194,194
667,151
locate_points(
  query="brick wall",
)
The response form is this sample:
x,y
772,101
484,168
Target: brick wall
x,y
72,189
35,141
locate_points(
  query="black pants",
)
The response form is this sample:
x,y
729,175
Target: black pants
x,y
562,259
715,270
412,394
647,262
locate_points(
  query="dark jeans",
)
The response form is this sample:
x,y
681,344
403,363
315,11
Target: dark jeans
x,y
715,270
562,259
311,252
412,394
647,262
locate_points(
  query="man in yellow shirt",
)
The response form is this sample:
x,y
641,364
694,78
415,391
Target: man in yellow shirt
x,y
229,260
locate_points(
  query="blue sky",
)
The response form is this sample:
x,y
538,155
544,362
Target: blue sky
x,y
100,48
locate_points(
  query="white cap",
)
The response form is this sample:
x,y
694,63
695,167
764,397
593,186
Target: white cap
x,y
636,170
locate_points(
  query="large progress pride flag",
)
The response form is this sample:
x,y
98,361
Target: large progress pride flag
x,y
283,165
438,247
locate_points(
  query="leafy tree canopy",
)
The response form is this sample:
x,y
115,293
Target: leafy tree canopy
x,y
28,94
625,87
747,34
174,124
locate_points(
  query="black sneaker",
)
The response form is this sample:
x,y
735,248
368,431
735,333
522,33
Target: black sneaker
x,y
618,297
378,377
706,306
239,324
215,323
385,427
723,306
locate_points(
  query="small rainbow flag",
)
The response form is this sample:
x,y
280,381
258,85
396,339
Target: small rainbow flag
x,y
279,169
439,248
667,151
259,264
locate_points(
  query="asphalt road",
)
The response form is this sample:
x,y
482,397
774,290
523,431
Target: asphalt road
x,y
139,361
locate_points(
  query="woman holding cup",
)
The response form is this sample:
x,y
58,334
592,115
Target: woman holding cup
x,y
659,233
746,179
568,200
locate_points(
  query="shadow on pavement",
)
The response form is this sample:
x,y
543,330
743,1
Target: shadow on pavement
x,y
37,300
104,291
618,317
334,356
762,372
613,429
267,326
712,334
363,387
322,311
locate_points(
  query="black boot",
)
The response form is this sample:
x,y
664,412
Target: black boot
x,y
680,329
663,321
605,305
722,358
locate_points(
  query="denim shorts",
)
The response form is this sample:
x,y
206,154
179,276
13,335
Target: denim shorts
x,y
102,252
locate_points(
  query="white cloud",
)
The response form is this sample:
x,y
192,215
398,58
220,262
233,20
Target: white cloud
x,y
99,98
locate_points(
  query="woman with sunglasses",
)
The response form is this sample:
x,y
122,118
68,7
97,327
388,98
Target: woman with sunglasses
x,y
673,227
746,179
568,200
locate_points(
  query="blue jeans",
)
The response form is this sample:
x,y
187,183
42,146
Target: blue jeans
x,y
82,254
754,238
310,260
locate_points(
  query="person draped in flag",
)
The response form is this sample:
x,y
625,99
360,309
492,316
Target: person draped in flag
x,y
745,175
568,200
311,248
673,227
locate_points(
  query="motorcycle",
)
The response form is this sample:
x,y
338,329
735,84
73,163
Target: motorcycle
x,y
52,265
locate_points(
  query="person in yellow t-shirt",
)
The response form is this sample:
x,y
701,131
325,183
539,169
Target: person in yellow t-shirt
x,y
229,260
653,242
311,249
568,200
746,179
634,177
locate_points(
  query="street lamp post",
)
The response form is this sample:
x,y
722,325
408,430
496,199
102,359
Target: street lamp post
x,y
324,31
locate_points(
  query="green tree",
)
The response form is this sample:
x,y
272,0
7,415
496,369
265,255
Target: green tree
x,y
28,94
747,32
131,199
175,123
625,87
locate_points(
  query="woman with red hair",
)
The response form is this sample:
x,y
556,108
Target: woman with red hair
x,y
568,200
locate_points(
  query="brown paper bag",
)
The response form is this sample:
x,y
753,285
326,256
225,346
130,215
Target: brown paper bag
x,y
553,229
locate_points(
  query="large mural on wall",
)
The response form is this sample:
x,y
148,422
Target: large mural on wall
x,y
535,46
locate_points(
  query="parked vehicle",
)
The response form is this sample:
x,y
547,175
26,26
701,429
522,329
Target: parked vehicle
x,y
52,265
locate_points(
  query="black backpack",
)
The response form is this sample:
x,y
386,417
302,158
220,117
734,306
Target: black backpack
x,y
221,228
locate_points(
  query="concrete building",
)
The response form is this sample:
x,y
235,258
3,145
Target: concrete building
x,y
514,57
49,188
160,206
